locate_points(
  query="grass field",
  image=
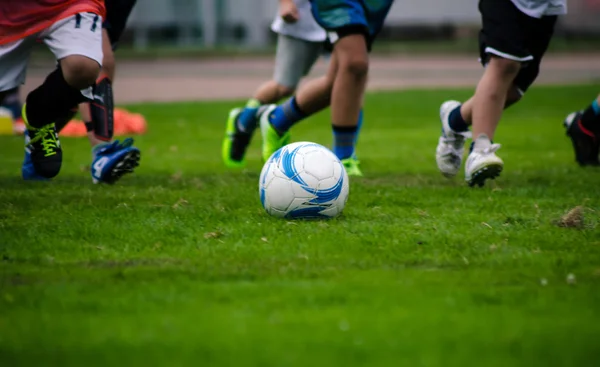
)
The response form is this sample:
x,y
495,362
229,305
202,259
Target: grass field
x,y
178,264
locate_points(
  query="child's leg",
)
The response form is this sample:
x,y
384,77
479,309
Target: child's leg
x,y
350,80
590,117
348,91
98,115
293,60
312,97
347,98
490,95
461,116
512,45
77,43
352,27
584,130
111,159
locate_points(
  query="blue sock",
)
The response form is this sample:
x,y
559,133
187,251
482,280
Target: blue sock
x,y
286,115
456,121
341,136
344,138
359,126
247,120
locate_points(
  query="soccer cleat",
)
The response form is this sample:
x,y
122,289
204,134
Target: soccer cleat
x,y
352,166
272,141
482,162
585,143
113,160
235,142
42,148
451,145
27,170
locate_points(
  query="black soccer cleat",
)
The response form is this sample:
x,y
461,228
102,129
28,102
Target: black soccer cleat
x,y
235,142
44,151
585,142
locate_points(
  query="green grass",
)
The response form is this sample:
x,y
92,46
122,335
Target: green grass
x,y
179,265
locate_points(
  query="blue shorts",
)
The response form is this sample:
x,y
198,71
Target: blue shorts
x,y
344,17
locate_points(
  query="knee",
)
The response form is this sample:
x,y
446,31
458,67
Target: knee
x,y
284,91
356,65
79,71
108,65
504,67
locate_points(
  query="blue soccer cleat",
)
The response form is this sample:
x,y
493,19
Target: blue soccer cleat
x,y
113,160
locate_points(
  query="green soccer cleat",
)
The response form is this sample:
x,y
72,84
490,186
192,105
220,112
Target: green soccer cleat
x,y
352,166
272,141
235,142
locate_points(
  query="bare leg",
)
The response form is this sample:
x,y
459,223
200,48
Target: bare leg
x,y
490,96
272,92
466,109
350,80
315,95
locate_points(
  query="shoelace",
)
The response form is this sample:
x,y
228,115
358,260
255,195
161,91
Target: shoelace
x,y
48,138
491,149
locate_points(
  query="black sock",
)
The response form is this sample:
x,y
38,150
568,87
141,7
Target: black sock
x,y
590,118
52,100
62,121
344,129
456,121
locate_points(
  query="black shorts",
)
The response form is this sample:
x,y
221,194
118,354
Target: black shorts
x,y
511,34
117,13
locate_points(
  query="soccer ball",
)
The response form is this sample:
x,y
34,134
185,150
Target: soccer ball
x,y
303,180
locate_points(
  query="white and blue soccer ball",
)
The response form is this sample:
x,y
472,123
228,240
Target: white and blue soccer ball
x,y
303,180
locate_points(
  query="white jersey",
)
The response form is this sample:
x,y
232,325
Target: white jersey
x,y
540,8
306,28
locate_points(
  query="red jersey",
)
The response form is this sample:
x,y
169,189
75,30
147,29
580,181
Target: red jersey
x,y
21,18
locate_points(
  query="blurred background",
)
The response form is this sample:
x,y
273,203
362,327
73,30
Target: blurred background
x,y
191,50
244,24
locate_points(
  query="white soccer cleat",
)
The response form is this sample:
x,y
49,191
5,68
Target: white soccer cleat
x,y
483,163
451,146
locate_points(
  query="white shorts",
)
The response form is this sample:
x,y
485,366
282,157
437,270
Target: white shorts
x,y
294,59
80,34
